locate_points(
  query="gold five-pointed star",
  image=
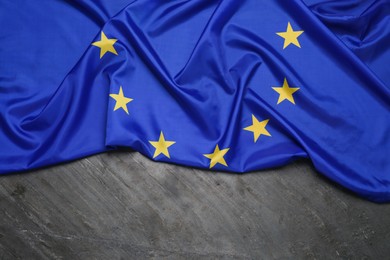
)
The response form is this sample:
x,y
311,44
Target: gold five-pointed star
x,y
121,100
285,92
290,36
258,128
105,45
161,146
217,156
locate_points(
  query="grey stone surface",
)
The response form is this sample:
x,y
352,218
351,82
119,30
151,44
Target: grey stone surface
x,y
123,206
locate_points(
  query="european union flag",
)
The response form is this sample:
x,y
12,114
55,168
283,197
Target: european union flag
x,y
220,84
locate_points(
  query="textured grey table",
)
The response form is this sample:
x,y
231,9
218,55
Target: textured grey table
x,y
122,205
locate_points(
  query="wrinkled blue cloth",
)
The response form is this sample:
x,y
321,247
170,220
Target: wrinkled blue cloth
x,y
199,73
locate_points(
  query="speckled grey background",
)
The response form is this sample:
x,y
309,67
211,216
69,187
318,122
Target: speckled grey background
x,y
123,206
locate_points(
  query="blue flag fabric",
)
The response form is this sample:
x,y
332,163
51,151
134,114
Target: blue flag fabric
x,y
225,85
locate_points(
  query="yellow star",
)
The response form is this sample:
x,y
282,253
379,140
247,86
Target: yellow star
x,y
258,128
285,92
105,45
161,146
121,100
217,156
290,36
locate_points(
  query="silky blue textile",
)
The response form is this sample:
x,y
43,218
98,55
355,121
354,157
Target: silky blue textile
x,y
363,26
186,81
